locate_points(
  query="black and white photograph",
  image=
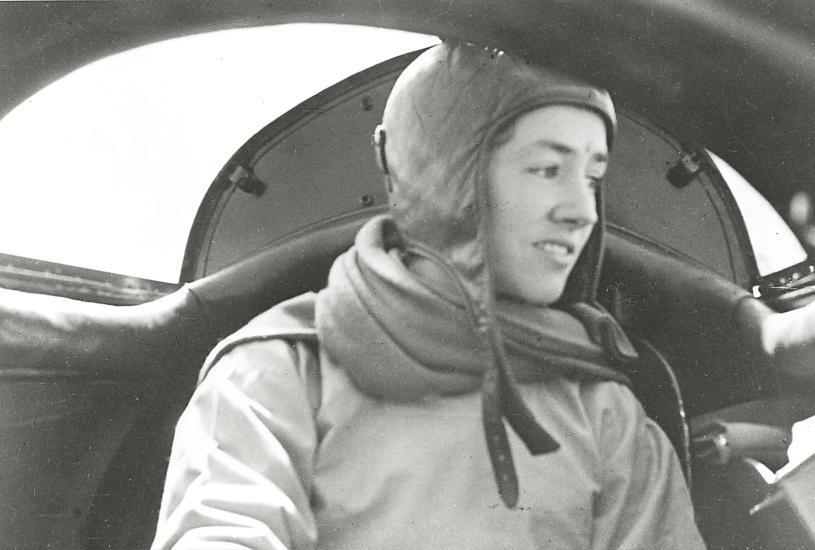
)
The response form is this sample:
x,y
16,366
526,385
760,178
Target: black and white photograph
x,y
407,275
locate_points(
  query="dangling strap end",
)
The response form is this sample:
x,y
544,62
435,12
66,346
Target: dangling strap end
x,y
537,440
500,454
543,444
508,494
503,467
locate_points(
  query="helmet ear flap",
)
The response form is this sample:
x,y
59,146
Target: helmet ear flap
x,y
378,140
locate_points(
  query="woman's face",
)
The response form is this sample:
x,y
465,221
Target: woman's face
x,y
541,189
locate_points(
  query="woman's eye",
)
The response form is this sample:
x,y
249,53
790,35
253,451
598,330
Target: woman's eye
x,y
545,171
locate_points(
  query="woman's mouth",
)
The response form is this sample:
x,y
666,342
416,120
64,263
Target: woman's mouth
x,y
559,251
557,248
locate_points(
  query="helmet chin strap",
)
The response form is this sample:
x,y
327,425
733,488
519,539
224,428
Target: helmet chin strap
x,y
500,398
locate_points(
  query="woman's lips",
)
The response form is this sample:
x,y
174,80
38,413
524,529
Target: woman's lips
x,y
560,252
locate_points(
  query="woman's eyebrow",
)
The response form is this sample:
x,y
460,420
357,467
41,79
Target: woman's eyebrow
x,y
564,149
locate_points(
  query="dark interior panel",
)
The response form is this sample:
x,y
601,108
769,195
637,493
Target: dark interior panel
x,y
56,439
692,219
313,166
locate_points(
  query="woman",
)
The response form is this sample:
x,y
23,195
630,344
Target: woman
x,y
373,414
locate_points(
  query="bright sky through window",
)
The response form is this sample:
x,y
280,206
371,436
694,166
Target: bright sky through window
x,y
105,168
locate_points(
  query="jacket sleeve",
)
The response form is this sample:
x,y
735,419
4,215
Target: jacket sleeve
x,y
644,502
240,471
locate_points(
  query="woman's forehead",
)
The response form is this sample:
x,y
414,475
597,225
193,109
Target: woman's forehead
x,y
561,129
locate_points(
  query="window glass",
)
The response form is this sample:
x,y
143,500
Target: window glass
x,y
774,244
105,168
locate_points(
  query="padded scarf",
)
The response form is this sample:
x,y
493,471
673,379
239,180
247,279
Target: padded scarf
x,y
419,341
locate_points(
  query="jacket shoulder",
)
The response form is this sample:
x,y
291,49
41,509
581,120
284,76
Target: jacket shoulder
x,y
290,320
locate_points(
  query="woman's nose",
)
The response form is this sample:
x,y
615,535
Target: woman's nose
x,y
577,204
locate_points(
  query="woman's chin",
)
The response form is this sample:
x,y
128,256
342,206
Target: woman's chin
x,y
540,297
